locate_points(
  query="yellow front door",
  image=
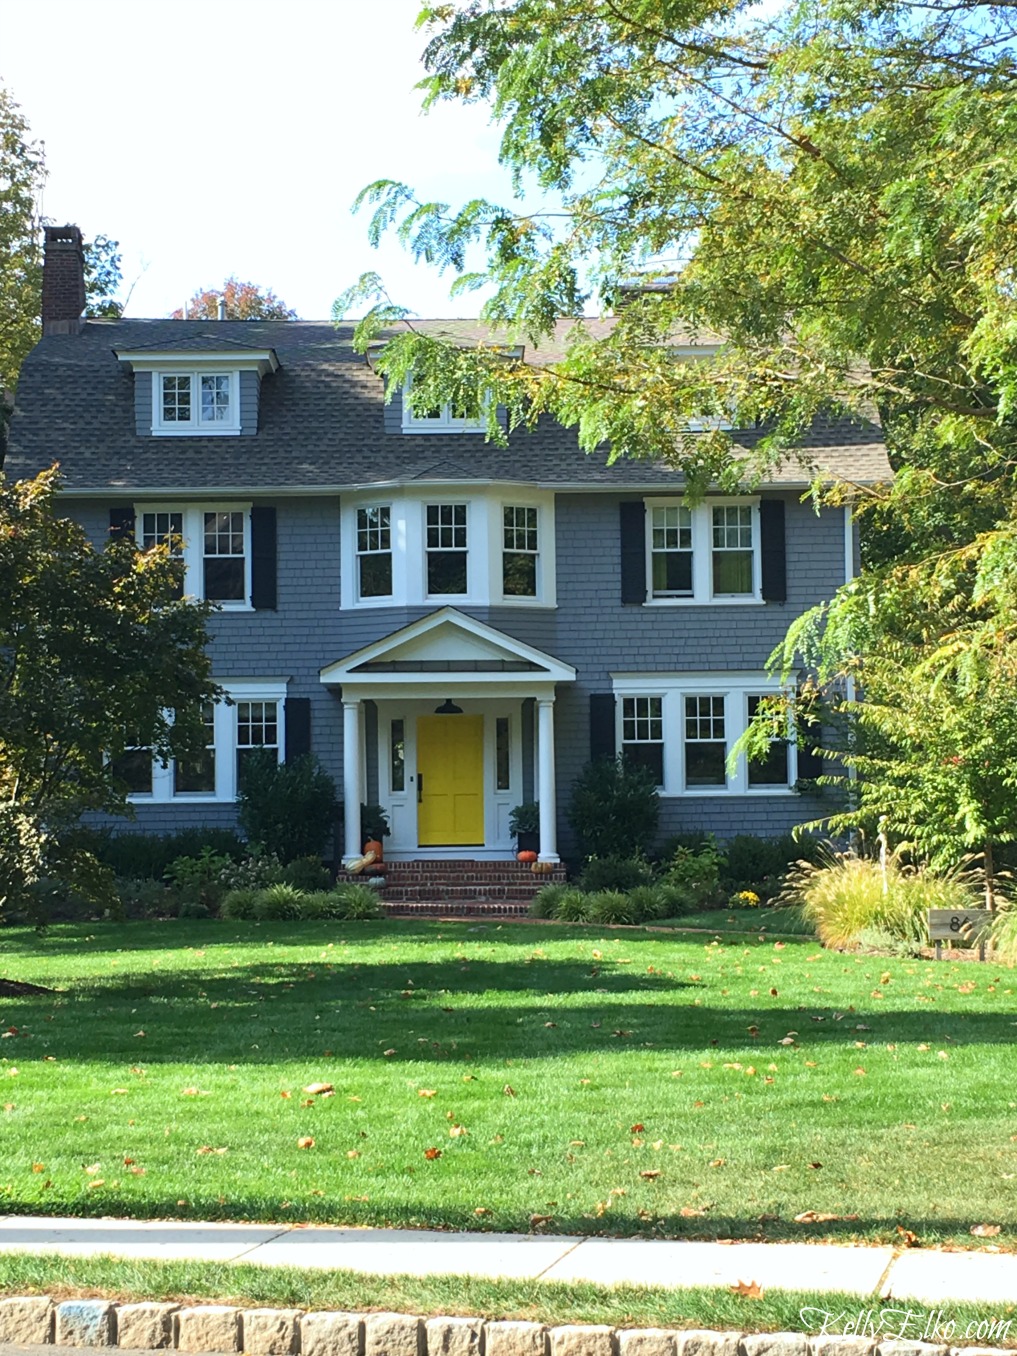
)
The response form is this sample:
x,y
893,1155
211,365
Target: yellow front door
x,y
450,781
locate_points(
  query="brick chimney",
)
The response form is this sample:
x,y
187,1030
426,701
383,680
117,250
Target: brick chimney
x,y
63,281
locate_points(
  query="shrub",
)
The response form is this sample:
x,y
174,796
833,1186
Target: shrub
x,y
760,864
278,903
675,899
256,871
573,907
147,856
744,899
357,902
648,901
147,899
1004,934
611,906
545,902
239,903
307,873
289,808
615,873
199,879
697,872
193,908
614,808
843,897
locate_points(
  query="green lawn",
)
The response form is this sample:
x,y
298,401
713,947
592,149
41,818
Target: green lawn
x,y
615,1082
775,922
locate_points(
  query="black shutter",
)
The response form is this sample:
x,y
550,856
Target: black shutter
x,y
602,725
298,727
773,557
263,558
121,521
810,763
633,551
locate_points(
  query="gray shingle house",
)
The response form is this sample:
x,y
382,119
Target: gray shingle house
x,y
453,628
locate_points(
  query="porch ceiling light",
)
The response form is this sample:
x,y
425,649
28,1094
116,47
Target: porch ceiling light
x,y
448,708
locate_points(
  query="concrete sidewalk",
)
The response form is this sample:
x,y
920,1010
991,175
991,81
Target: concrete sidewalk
x,y
932,1277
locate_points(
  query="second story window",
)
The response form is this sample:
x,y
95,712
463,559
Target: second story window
x,y
214,545
467,417
195,402
519,556
671,551
374,551
732,550
446,549
257,728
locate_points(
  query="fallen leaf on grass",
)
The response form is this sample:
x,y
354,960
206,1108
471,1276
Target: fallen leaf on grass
x,y
692,1211
200,1092
207,1149
456,1131
537,1220
305,1142
92,1169
136,1172
316,1089
41,1167
352,1153
388,1053
820,1217
483,1210
431,1154
979,1230
637,1128
286,1095
427,1092
748,1290
718,1162
650,1173
509,1090
97,1183
117,1092
139,1033
908,1238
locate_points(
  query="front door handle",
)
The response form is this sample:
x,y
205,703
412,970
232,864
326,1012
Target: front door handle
x,y
420,789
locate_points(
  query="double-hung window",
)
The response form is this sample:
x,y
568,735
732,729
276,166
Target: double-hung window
x,y
196,775
702,553
195,402
257,729
671,550
733,550
520,551
213,543
643,734
374,551
464,416
446,550
705,742
774,769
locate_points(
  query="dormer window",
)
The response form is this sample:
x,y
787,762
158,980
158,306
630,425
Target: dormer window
x,y
195,402
446,418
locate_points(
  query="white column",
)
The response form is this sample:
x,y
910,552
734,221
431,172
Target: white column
x,y
352,844
545,769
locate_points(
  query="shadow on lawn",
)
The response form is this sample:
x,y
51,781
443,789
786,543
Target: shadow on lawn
x,y
435,1011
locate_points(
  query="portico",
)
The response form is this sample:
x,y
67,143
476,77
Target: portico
x,y
462,719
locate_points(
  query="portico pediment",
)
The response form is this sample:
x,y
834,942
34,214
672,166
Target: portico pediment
x,y
448,649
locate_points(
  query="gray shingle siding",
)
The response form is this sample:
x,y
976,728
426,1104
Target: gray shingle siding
x,y
142,403
249,385
590,629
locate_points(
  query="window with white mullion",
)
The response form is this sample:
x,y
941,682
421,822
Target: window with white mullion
x,y
176,399
195,402
671,551
257,730
216,405
374,551
705,742
733,550
224,556
520,551
774,770
643,733
446,549
196,775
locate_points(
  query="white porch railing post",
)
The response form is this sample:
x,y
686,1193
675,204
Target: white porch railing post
x,y
352,843
545,766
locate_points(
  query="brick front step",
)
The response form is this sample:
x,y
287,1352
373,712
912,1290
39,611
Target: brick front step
x,y
429,886
439,890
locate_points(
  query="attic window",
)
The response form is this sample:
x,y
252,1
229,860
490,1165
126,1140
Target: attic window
x,y
195,402
446,418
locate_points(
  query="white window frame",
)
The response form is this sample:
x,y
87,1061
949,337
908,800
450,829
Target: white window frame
x,y
672,688
441,501
484,536
374,599
224,724
443,422
195,427
702,553
194,546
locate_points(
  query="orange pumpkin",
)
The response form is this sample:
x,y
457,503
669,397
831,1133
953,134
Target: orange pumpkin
x,y
373,845
526,856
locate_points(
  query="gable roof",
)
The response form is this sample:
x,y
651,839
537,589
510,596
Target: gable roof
x,y
322,423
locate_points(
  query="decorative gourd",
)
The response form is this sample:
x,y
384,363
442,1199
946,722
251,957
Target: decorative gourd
x,y
526,856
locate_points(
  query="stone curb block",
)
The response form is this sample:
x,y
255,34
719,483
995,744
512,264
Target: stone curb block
x,y
27,1320
34,1321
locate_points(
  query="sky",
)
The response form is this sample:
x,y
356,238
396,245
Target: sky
x,y
218,137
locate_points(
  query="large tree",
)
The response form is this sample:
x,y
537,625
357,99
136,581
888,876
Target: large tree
x,y
243,301
828,186
98,654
